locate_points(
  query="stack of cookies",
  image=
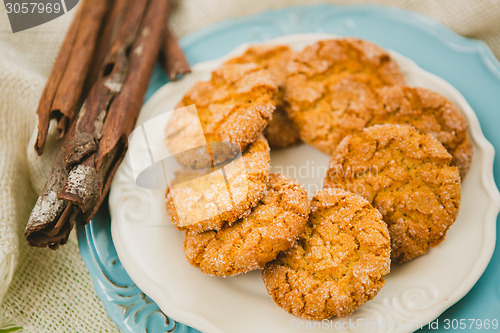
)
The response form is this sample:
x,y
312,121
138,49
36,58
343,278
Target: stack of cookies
x,y
237,215
392,190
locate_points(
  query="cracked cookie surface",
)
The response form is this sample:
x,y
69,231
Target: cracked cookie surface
x,y
330,87
280,132
272,226
338,262
234,106
429,112
206,199
407,176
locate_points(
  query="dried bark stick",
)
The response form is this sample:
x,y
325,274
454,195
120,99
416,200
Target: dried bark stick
x,y
97,141
172,58
122,114
44,109
47,224
113,21
64,89
48,213
70,89
118,127
95,112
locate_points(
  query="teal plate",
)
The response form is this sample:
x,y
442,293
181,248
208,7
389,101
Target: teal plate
x,y
467,64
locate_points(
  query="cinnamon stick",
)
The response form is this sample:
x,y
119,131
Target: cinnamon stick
x,y
112,22
172,58
63,92
122,114
84,184
117,128
48,208
48,212
97,141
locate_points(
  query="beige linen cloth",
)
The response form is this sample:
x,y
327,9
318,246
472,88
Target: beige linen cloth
x,y
51,291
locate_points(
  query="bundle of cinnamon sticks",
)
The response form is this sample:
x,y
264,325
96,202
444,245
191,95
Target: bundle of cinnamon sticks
x,y
95,92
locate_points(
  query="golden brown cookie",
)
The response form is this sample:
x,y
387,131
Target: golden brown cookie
x,y
280,132
274,58
407,176
234,106
330,86
272,226
338,262
201,200
428,112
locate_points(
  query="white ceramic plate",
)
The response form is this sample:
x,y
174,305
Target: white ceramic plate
x,y
151,249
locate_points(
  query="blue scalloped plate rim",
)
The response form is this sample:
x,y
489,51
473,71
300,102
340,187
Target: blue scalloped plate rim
x,y
467,64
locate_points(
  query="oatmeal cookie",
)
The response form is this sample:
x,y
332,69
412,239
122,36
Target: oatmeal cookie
x,y
201,200
407,176
272,226
338,262
280,132
330,87
234,106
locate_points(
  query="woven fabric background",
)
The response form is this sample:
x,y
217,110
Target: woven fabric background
x,y
51,291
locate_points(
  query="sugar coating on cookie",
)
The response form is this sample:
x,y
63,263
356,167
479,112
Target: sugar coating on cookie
x,y
185,140
429,112
338,262
234,106
206,199
407,176
249,243
280,132
330,87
